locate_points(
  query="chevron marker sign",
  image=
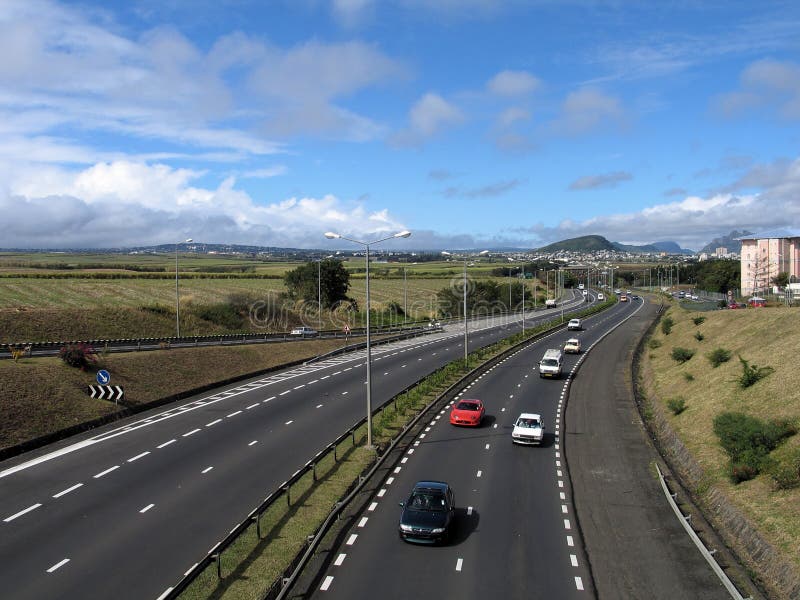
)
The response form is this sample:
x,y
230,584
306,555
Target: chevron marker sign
x,y
106,392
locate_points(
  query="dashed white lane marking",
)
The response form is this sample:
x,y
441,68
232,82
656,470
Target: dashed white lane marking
x,y
479,473
573,559
381,493
340,559
344,393
206,470
146,508
68,490
213,423
314,381
284,393
252,406
289,422
579,583
390,481
570,541
566,524
326,583
562,495
564,509
20,513
106,472
469,510
58,565
372,506
192,432
138,456
352,539
459,564
404,460
326,376
270,398
253,443
363,521
297,387
319,405
560,483
233,414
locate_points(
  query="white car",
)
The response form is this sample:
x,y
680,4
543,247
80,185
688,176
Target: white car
x,y
600,296
528,429
304,331
572,346
574,324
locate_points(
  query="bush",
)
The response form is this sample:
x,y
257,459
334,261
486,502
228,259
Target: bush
x,y
698,320
688,377
785,474
158,309
666,325
699,336
748,442
681,355
751,374
718,356
79,356
654,343
677,405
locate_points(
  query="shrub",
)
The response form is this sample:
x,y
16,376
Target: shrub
x,y
681,355
785,474
688,377
748,442
677,405
224,315
699,336
654,343
666,325
79,356
718,356
698,320
158,309
751,374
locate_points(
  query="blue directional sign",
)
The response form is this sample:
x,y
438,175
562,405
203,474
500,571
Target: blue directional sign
x,y
103,377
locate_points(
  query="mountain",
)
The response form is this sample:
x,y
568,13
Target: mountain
x,y
586,243
726,241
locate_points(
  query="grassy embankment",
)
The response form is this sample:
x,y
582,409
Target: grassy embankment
x,y
764,337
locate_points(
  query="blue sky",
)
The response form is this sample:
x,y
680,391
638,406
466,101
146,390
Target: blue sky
x,y
472,123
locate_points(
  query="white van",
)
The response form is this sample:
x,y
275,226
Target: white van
x,y
551,363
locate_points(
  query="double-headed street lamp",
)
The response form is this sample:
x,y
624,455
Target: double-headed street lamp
x,y
466,338
336,236
177,294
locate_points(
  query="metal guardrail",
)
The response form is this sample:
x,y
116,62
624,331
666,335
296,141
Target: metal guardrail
x,y
707,554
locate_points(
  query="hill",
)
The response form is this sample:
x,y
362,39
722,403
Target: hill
x,y
728,241
586,243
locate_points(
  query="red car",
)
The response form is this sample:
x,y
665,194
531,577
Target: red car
x,y
467,412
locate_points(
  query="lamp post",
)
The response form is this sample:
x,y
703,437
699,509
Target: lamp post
x,y
405,297
523,299
334,236
177,293
466,338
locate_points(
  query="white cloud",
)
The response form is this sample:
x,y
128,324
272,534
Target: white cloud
x,y
606,180
513,83
266,172
351,12
429,116
769,83
513,115
587,110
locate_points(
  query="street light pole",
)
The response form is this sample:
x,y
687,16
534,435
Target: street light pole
x,y
523,298
332,236
177,292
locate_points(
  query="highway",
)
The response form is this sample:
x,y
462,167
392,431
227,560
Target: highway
x,y
516,534
126,510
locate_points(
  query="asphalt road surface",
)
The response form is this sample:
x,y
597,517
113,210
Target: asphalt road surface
x,y
126,510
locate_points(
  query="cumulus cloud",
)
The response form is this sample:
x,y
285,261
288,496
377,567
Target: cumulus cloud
x,y
130,204
587,110
764,83
429,116
607,180
513,83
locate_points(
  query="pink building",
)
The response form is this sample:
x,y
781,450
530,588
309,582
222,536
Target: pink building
x,y
763,257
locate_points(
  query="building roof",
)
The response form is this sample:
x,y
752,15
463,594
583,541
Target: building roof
x,y
772,234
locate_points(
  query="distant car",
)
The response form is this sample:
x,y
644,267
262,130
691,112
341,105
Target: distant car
x,y
757,302
434,324
572,346
551,363
600,296
528,429
628,292
574,325
428,514
467,412
733,305
580,286
585,293
304,331
617,291
623,298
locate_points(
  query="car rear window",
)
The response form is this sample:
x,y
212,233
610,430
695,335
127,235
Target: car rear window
x,y
467,406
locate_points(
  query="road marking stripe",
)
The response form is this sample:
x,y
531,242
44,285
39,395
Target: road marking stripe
x,y
579,583
390,480
165,444
138,456
106,472
574,560
253,443
373,506
213,423
58,565
566,524
297,387
479,473
146,508
352,539
363,521
487,446
319,405
344,393
570,542
68,490
381,493
340,559
284,393
326,583
192,432
564,509
404,460
289,422
469,510
233,414
206,470
459,564
252,406
20,513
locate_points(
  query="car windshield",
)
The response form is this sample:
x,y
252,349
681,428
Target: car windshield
x,y
550,362
427,501
467,406
528,423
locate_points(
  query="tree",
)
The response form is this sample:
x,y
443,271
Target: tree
x,y
327,278
781,279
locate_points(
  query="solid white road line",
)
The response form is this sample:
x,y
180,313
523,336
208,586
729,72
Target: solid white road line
x,y
68,490
146,508
326,583
319,405
138,456
106,472
165,444
58,565
20,513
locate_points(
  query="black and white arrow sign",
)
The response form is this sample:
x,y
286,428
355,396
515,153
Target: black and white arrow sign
x,y
106,392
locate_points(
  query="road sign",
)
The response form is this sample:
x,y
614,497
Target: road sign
x,y
103,377
106,392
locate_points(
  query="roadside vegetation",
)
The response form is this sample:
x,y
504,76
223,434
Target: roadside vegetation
x,y
740,417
